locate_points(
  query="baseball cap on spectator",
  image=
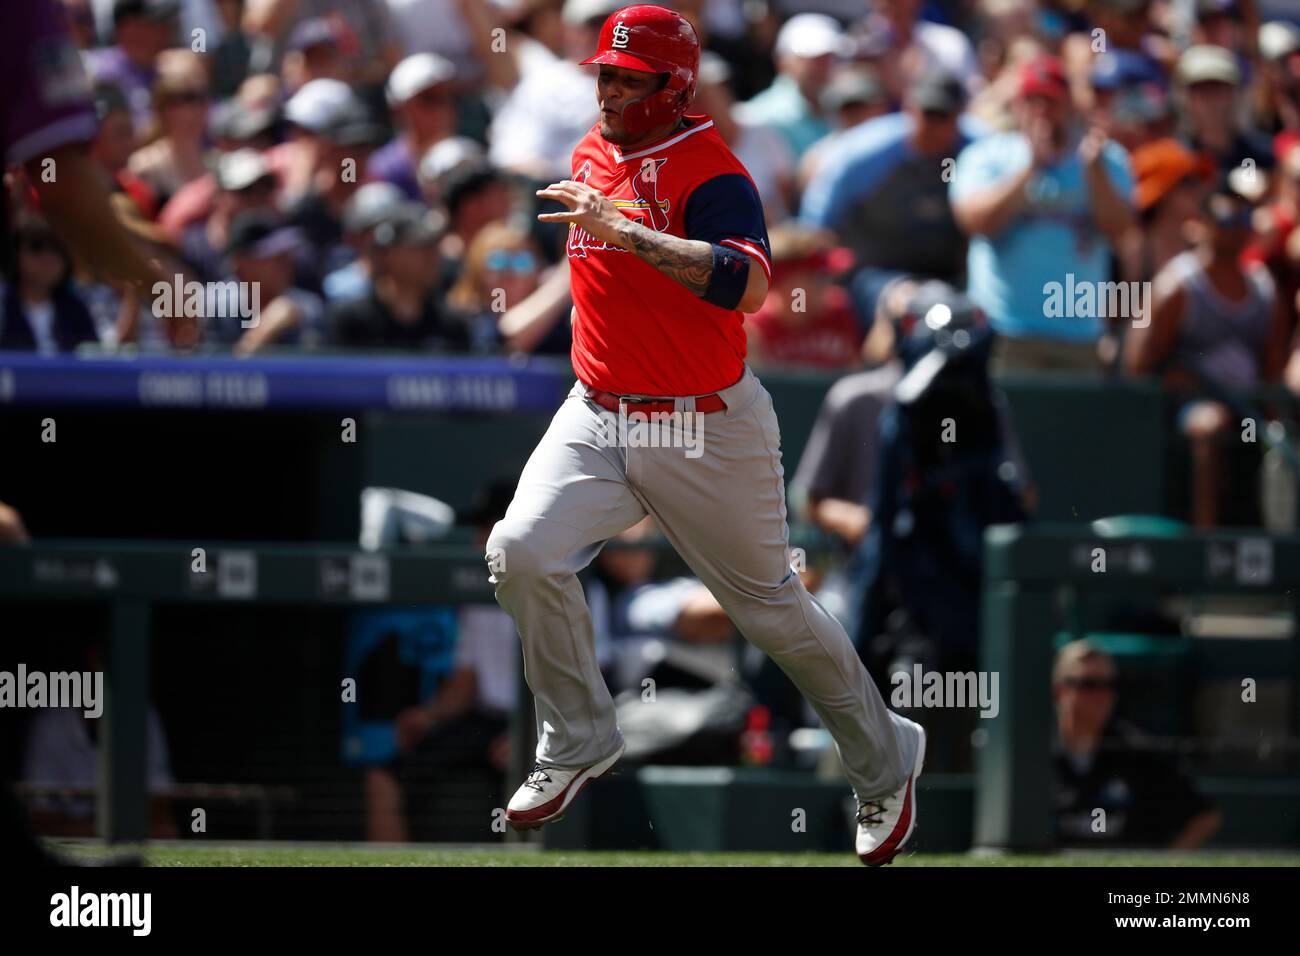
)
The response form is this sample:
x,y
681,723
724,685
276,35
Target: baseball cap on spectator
x,y
578,12
312,32
148,9
240,169
415,74
370,205
234,121
1044,76
448,155
714,70
1204,63
1278,39
465,181
810,35
1161,165
319,103
937,92
261,234
354,126
1140,104
1120,68
412,225
851,88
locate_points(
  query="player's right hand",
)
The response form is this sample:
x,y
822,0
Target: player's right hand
x,y
588,208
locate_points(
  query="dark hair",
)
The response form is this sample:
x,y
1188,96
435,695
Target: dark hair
x,y
466,182
28,227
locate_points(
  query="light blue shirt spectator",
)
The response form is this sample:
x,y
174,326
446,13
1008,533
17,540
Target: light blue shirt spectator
x,y
1010,274
783,107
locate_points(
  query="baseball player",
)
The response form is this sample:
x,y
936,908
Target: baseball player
x,y
667,250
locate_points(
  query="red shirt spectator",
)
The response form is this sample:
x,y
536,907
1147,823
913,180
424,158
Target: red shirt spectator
x,y
806,320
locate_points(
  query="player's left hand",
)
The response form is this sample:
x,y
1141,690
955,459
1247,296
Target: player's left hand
x,y
588,208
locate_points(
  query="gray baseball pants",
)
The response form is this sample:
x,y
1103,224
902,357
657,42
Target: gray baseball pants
x,y
720,501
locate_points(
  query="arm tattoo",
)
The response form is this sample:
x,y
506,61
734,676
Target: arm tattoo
x,y
688,261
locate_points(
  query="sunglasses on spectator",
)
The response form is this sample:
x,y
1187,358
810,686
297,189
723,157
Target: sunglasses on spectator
x,y
502,260
1093,684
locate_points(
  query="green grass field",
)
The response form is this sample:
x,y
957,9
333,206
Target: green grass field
x,y
351,855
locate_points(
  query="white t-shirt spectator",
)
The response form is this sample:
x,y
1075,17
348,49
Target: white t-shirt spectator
x,y
545,115
61,753
488,645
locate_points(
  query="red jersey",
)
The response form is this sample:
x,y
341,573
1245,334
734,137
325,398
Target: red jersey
x,y
637,331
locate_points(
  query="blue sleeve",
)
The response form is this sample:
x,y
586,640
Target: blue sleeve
x,y
727,210
854,166
981,164
821,201
1118,169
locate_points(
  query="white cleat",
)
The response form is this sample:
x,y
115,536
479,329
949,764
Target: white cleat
x,y
885,825
548,791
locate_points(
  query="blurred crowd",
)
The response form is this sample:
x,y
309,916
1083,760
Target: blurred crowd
x,y
371,165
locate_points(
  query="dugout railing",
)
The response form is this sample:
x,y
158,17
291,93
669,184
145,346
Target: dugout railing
x,y
1034,575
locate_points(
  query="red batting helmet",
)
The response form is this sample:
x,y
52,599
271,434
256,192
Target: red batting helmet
x,y
653,40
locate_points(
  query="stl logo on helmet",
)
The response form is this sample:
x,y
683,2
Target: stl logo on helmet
x,y
621,35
